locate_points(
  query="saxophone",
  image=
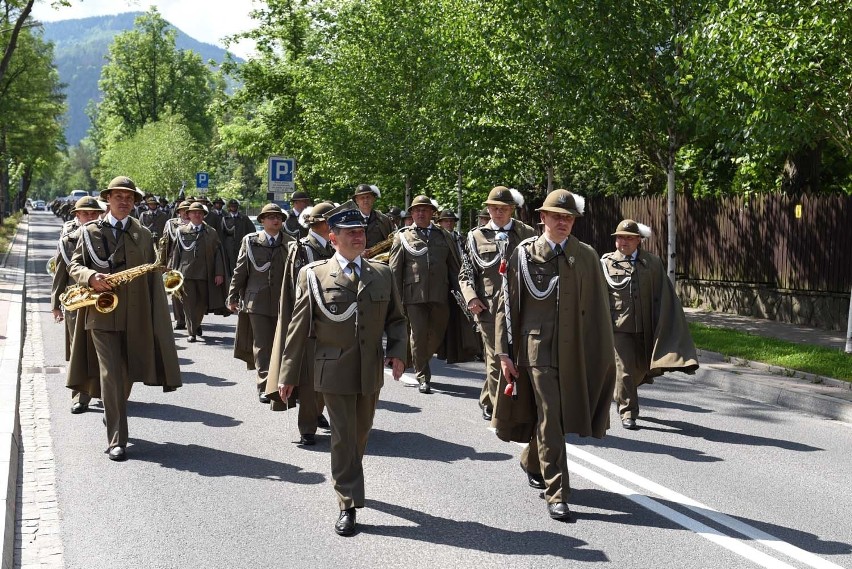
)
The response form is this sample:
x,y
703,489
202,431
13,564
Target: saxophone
x,y
78,296
380,251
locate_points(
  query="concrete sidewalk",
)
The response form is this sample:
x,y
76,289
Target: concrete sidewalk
x,y
12,295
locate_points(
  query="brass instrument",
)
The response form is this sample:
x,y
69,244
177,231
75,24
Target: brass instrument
x,y
380,251
50,268
78,296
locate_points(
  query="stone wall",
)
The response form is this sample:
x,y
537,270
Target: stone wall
x,y
829,311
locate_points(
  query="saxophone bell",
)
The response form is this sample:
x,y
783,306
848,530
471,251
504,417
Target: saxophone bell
x,y
173,282
50,268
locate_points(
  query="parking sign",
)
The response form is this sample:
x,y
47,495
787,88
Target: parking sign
x,y
282,175
202,181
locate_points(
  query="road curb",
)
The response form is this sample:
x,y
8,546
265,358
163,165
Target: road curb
x,y
13,295
815,395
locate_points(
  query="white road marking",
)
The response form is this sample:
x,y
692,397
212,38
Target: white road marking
x,y
751,532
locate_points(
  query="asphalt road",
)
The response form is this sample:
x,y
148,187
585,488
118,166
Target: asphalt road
x,y
214,479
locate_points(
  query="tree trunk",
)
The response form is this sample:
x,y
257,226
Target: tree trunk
x,y
849,328
802,171
407,191
13,39
4,175
459,200
550,184
671,214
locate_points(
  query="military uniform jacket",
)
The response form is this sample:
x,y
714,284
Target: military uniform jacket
x,y
299,254
643,300
142,311
567,328
484,281
64,250
214,220
424,271
198,255
292,226
154,221
347,322
379,228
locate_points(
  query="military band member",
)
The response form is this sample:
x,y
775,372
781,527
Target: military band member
x,y
198,255
86,209
487,246
133,342
651,333
395,215
235,226
425,263
153,218
483,216
379,226
167,245
314,247
346,304
554,341
215,215
299,201
256,285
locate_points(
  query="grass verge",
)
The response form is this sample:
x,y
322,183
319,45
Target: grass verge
x,y
7,231
809,359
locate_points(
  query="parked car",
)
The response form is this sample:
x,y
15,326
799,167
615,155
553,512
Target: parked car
x,y
257,225
39,205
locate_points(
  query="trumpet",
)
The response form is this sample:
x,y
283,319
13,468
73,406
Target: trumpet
x,y
78,296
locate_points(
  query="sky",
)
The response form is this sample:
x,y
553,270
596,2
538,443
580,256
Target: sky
x,y
205,20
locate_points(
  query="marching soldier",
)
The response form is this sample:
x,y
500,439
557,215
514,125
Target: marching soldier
x,y
379,226
153,218
134,341
483,216
85,210
395,215
215,215
346,304
555,345
651,333
170,232
425,263
299,201
481,281
198,255
235,226
257,285
314,247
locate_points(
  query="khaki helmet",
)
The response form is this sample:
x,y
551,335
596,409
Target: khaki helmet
x,y
563,201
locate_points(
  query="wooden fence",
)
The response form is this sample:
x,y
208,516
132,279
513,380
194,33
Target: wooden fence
x,y
788,242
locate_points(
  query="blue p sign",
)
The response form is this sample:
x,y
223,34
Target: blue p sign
x,y
281,170
202,180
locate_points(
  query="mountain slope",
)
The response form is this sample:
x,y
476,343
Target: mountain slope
x,y
81,47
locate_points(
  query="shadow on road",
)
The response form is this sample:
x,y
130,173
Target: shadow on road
x,y
188,378
395,407
478,536
423,447
167,412
731,437
207,461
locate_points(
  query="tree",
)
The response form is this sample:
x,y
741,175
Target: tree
x,y
159,157
146,78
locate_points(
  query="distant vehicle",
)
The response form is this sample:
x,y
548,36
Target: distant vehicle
x,y
39,205
257,225
77,194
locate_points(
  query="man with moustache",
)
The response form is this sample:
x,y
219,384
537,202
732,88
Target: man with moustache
x,y
134,342
425,263
346,304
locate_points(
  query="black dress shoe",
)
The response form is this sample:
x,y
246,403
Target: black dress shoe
x,y
345,523
424,388
262,397
535,480
629,424
308,440
78,408
191,339
117,454
322,422
180,326
559,511
487,413
199,331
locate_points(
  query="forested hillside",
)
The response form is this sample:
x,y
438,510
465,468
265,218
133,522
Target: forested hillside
x,y
80,48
